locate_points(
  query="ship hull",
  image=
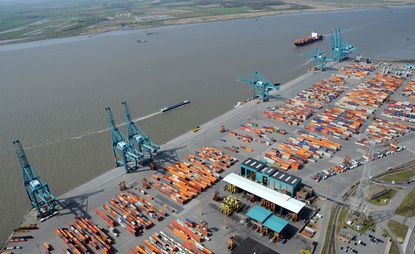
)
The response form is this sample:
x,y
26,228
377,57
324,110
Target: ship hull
x,y
175,106
306,41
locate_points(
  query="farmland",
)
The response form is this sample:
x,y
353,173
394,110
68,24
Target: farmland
x,y
45,19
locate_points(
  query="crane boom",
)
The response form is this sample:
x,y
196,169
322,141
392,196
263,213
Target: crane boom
x,y
136,136
260,86
38,192
124,152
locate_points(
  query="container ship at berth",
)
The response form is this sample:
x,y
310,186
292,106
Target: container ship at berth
x,y
180,104
313,37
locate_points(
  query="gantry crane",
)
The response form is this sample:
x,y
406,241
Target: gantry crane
x,y
260,86
137,137
124,151
339,48
39,194
319,58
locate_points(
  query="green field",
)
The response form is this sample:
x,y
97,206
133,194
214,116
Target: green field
x,y
407,207
367,223
42,19
342,218
398,229
399,177
394,249
384,199
48,19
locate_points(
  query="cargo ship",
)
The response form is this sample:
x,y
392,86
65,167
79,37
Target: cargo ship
x,y
313,37
180,104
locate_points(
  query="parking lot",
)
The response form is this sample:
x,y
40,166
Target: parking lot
x,y
372,241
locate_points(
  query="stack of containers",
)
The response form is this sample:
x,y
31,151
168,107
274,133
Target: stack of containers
x,y
358,69
215,160
292,112
363,98
382,130
402,110
141,208
383,82
272,130
261,131
183,181
245,138
188,230
297,150
126,216
337,122
132,211
298,109
409,90
355,107
160,243
82,235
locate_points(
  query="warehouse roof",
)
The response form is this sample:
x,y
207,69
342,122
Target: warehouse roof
x,y
259,213
261,191
267,219
286,178
275,223
254,164
272,172
268,170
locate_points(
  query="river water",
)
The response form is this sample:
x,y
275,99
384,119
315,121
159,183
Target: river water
x,y
53,93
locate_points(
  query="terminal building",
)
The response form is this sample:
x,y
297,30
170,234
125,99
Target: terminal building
x,y
271,199
269,176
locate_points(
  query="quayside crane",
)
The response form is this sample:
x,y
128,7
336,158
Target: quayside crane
x,y
137,137
260,86
340,49
39,194
124,151
319,58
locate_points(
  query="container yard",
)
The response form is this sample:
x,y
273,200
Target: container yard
x,y
409,90
213,189
382,130
401,110
301,107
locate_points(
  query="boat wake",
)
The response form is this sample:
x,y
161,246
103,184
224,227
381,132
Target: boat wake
x,y
86,134
305,63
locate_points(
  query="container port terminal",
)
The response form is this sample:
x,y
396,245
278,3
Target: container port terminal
x,y
262,177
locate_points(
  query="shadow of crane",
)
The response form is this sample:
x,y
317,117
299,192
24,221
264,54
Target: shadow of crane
x,y
76,205
167,157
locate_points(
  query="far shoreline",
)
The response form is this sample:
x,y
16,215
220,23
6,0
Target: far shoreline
x,y
24,43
